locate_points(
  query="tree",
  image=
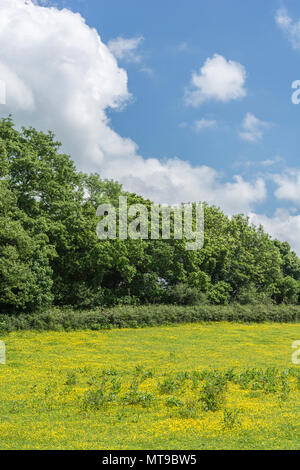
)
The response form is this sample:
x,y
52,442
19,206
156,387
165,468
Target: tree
x,y
50,250
25,274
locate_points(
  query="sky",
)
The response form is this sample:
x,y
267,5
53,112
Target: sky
x,y
179,101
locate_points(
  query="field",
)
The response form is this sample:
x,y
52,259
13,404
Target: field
x,y
194,386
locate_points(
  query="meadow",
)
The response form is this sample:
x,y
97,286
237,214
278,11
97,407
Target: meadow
x,y
192,386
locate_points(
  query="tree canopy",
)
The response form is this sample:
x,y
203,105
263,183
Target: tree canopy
x,y
50,252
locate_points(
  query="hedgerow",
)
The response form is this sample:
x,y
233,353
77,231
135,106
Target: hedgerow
x,y
68,319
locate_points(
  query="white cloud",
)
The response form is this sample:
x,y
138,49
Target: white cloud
x,y
218,79
147,70
289,27
126,49
288,185
61,76
204,124
272,161
277,159
175,180
283,225
253,128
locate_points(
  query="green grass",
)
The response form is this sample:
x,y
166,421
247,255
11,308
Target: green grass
x,y
51,384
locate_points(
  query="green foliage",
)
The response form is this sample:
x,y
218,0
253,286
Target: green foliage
x,y
50,252
71,378
102,393
174,402
231,418
183,294
219,293
287,290
153,315
25,274
251,296
213,391
190,409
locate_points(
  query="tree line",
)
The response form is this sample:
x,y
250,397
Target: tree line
x,y
50,253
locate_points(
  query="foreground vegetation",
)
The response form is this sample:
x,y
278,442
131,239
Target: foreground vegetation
x,y
68,319
193,386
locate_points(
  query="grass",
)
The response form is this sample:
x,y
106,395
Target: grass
x,y
152,388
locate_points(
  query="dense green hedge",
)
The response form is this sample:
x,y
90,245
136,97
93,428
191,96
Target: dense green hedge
x,y
152,315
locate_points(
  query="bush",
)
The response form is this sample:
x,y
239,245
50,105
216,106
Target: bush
x,y
67,319
251,296
219,293
183,294
287,290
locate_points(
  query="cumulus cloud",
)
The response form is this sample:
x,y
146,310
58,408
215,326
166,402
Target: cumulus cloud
x,y
218,79
175,180
289,27
126,48
204,124
288,185
253,128
61,76
283,225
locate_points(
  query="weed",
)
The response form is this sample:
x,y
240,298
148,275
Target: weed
x,y
174,402
101,396
212,394
71,379
231,418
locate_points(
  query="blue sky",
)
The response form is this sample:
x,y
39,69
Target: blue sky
x,y
178,37
241,31
115,84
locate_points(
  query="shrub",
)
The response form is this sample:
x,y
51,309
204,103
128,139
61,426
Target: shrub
x,y
287,290
251,296
219,293
67,319
183,294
